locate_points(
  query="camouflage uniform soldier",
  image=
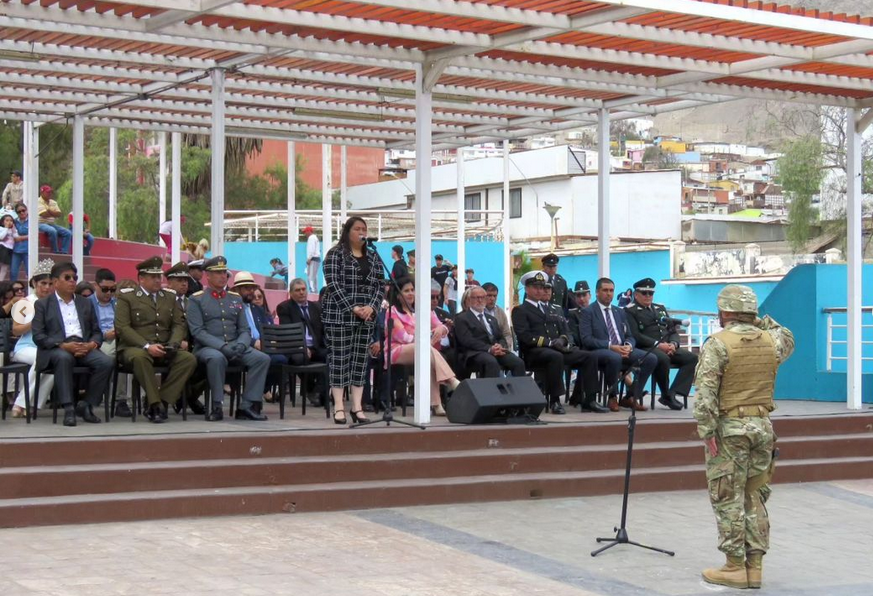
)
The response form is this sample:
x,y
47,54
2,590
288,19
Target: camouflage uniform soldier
x,y
734,380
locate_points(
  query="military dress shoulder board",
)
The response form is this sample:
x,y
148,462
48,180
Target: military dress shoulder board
x,y
199,293
170,290
230,293
126,290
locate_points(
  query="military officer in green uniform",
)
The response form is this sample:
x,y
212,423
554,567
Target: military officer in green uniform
x,y
221,334
150,329
560,293
651,325
734,380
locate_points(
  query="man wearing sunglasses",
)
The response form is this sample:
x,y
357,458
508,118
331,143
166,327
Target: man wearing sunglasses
x,y
66,331
103,300
650,324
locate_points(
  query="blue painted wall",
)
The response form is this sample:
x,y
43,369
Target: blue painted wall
x,y
797,303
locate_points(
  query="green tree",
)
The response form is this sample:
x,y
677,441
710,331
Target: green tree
x,y
10,150
801,171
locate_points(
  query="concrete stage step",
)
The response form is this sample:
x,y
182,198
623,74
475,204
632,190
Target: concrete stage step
x,y
58,481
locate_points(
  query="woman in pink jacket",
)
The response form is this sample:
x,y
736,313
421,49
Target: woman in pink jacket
x,y
402,313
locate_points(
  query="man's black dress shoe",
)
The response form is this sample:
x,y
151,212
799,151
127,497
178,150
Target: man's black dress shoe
x,y
670,401
154,414
216,414
193,404
122,410
593,406
557,408
249,414
69,417
83,410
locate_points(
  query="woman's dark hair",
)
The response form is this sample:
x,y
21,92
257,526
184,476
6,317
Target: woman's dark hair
x,y
264,294
5,215
84,286
347,228
395,299
5,287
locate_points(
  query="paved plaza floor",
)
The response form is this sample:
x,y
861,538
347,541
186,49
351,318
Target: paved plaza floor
x,y
822,542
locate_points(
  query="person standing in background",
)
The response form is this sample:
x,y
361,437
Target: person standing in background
x,y
400,268
13,194
313,258
19,251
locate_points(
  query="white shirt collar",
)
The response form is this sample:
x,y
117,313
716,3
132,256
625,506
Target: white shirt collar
x,y
61,300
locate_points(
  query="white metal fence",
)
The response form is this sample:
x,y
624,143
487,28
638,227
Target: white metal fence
x,y
837,339
703,324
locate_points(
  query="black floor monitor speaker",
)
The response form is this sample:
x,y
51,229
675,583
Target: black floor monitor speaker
x,y
501,399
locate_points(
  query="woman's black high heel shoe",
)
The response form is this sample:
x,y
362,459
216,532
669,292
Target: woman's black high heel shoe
x,y
361,418
340,420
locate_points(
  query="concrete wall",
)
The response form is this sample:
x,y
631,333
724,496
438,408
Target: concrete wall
x,y
797,303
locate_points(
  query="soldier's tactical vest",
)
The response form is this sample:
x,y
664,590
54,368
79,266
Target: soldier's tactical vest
x,y
747,383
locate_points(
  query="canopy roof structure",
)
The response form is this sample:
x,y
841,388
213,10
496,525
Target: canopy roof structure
x,y
343,72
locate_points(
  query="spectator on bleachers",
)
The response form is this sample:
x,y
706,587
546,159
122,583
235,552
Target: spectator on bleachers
x,y
48,211
313,258
104,303
66,332
8,234
165,231
25,349
279,268
14,191
19,251
470,279
86,232
8,299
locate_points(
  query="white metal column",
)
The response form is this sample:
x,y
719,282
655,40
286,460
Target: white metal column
x,y
854,262
176,198
603,194
292,207
462,246
326,204
31,193
78,192
423,119
344,185
507,250
162,179
113,183
217,143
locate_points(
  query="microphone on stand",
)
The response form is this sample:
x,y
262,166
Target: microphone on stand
x,y
665,320
369,241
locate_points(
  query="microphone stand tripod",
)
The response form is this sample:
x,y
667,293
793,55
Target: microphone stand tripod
x,y
621,536
387,399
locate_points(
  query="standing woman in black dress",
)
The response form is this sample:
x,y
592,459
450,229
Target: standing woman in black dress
x,y
354,281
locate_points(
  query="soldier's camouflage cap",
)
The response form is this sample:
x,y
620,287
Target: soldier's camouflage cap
x,y
737,298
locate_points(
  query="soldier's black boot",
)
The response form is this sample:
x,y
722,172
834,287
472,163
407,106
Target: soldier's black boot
x,y
153,413
216,415
122,410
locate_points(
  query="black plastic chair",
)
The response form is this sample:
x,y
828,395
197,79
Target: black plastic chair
x,y
290,340
13,368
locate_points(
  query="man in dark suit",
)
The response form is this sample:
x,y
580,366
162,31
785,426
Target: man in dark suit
x,y
544,343
67,334
481,347
300,310
650,325
603,329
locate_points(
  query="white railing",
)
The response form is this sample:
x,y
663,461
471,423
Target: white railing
x,y
837,336
703,324
388,224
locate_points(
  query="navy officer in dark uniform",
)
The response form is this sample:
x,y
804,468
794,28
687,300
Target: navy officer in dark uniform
x,y
545,344
560,293
649,324
221,334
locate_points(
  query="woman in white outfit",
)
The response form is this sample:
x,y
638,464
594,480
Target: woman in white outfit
x,y
25,349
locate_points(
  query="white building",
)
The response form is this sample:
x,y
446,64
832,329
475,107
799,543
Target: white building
x,y
644,205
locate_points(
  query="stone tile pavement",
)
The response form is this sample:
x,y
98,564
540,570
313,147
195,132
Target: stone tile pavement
x,y
821,546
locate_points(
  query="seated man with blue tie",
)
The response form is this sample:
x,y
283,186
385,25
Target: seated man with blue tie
x,y
299,309
481,346
604,330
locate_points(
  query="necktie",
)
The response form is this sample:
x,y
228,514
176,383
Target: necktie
x,y
542,308
305,310
487,326
181,301
613,334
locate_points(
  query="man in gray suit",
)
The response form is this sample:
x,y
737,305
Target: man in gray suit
x,y
221,334
67,334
